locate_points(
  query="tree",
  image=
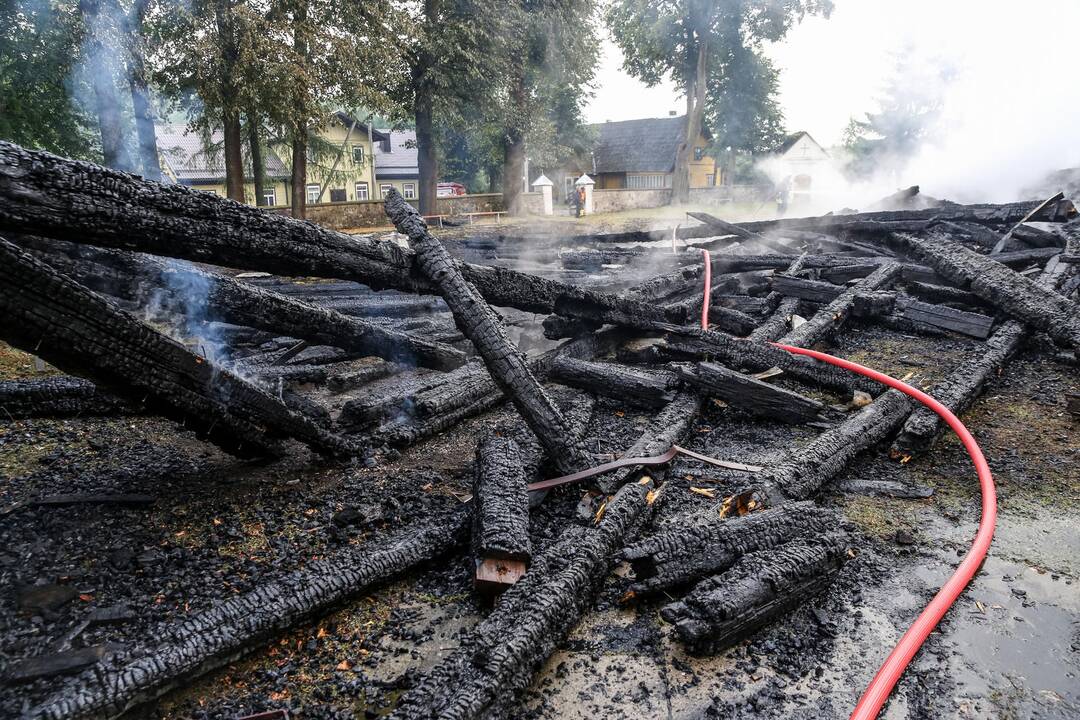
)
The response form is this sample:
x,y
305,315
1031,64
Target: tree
x,y
911,102
40,50
102,20
550,53
701,46
449,69
141,105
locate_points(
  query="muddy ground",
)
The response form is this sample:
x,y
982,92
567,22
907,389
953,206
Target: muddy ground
x,y
219,526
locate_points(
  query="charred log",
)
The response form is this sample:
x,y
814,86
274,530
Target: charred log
x,y
761,587
737,353
751,394
80,332
973,324
963,385
222,298
478,322
63,396
643,388
500,514
495,663
802,474
230,629
70,200
827,320
707,543
1022,298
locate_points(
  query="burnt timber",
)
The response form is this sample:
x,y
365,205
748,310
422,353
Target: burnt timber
x,y
134,361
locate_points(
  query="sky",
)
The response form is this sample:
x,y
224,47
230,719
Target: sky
x,y
1011,111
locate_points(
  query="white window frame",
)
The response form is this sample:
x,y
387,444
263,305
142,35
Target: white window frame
x,y
312,192
383,187
363,154
648,182
362,191
270,197
408,191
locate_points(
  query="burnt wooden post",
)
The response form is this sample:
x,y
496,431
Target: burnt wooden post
x,y
833,315
500,514
478,322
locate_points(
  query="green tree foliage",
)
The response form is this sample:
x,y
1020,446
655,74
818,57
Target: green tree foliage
x,y
40,45
908,108
712,51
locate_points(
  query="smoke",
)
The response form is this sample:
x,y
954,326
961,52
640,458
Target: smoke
x,y
1007,112
180,308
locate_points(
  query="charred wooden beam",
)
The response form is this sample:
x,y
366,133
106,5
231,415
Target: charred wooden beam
x,y
944,294
959,390
478,322
751,394
643,388
44,194
501,543
975,325
1019,229
807,289
666,429
62,396
805,470
214,637
761,587
82,333
1020,297
495,662
220,297
739,353
723,226
707,543
827,320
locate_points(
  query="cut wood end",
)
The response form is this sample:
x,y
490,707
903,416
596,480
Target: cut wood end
x,y
494,575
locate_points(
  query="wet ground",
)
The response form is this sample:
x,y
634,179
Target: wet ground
x,y
218,526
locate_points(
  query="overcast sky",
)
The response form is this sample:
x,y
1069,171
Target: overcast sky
x,y
1012,111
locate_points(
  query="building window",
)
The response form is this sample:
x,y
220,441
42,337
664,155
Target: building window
x,y
699,153
313,193
648,182
409,191
358,154
361,191
337,195
384,188
270,197
709,180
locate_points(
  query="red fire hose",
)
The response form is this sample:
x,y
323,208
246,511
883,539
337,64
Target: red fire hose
x,y
708,291
881,686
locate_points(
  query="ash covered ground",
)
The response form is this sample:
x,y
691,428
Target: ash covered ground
x,y
219,527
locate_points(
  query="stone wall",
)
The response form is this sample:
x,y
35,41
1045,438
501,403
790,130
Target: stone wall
x,y
606,201
730,193
370,213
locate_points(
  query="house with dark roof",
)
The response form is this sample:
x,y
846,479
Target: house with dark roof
x,y
640,155
396,163
344,169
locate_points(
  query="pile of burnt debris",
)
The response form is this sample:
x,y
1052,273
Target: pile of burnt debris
x,y
397,341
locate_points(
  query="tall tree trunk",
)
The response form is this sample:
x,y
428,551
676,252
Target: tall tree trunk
x,y
258,165
425,151
514,152
695,109
234,158
140,95
106,100
299,177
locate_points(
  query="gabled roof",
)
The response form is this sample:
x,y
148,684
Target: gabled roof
x,y
361,127
186,160
646,145
396,156
793,138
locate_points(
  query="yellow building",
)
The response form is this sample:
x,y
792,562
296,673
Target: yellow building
x,y
343,170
